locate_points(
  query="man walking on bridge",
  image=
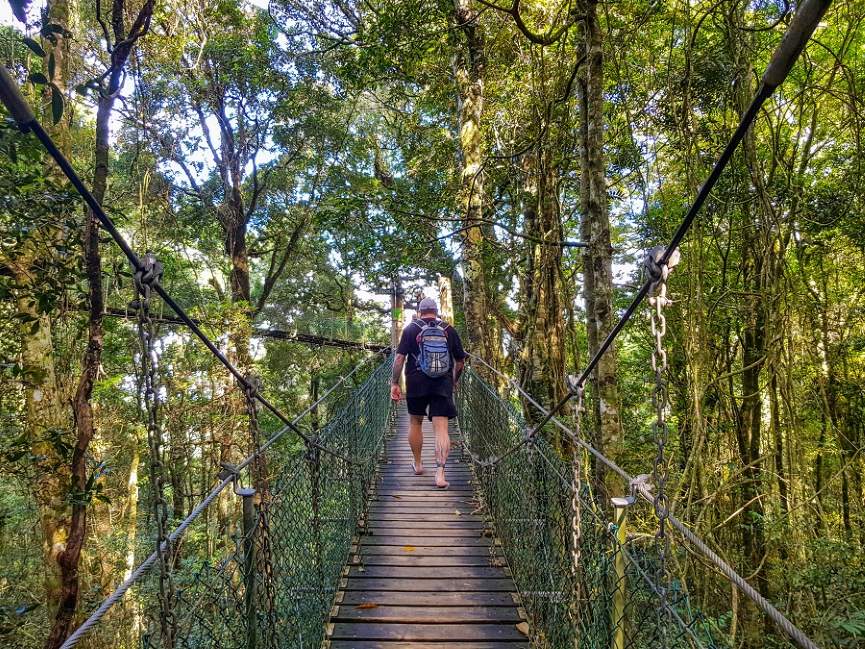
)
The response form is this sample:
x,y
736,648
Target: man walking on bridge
x,y
435,362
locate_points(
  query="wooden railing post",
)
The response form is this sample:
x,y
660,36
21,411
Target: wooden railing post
x,y
250,564
617,619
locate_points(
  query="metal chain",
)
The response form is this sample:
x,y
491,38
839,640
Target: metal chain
x,y
260,483
660,472
144,281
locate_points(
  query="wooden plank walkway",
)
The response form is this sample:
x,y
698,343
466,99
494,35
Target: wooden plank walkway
x,y
426,573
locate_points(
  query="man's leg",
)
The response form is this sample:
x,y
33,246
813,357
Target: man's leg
x,y
415,441
443,448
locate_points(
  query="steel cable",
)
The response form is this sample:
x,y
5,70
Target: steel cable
x,y
227,479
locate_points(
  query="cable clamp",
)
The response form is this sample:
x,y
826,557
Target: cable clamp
x,y
229,471
252,385
658,273
145,278
641,484
313,448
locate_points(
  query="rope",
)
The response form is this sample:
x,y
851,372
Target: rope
x,y
140,267
752,593
795,38
638,484
228,478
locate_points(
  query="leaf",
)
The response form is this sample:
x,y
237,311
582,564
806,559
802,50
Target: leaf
x,y
35,47
458,513
366,605
56,103
37,77
52,65
408,548
523,627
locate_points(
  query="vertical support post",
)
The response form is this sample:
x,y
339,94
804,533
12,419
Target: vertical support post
x,y
314,459
617,615
396,307
250,565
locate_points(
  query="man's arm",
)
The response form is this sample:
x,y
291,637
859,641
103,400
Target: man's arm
x,y
396,373
458,370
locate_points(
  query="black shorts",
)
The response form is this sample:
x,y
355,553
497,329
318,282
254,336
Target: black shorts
x,y
431,405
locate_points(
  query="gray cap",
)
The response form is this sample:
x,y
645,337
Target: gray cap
x,y
427,304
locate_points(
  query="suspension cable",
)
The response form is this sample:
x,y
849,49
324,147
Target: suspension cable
x,y
11,97
226,478
796,37
639,486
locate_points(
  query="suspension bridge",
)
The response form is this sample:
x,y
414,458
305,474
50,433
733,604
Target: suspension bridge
x,y
336,543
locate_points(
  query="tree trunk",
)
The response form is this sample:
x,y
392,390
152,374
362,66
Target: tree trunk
x,y
756,283
46,418
599,254
469,70
542,357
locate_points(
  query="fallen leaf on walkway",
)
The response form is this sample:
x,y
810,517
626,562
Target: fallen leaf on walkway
x,y
523,627
408,548
395,496
458,512
367,605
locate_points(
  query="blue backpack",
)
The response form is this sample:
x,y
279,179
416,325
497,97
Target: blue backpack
x,y
434,358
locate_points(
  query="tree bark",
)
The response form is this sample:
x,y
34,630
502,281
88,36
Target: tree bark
x,y
542,357
599,254
85,427
469,70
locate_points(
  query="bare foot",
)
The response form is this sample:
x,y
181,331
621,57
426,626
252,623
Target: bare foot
x,y
417,467
441,483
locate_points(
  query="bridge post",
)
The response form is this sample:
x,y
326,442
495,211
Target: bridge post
x,y
250,565
396,313
314,462
617,614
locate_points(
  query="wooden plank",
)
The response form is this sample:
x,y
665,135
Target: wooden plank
x,y
384,644
427,572
427,598
452,528
424,632
424,574
426,615
431,494
446,516
413,559
425,540
370,547
444,585
429,510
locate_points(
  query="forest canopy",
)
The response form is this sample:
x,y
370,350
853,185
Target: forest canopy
x,y
302,167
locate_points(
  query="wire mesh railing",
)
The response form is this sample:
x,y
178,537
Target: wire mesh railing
x,y
583,580
286,533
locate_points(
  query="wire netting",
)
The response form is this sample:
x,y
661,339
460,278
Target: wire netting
x,y
588,586
270,581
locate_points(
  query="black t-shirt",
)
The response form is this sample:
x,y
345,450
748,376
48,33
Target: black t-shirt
x,y
417,383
